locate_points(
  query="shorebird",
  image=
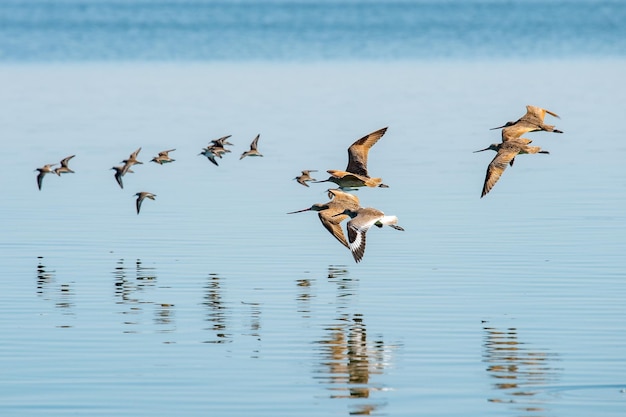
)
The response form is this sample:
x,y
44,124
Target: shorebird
x,y
532,121
222,142
132,160
213,151
302,179
64,168
46,169
356,174
253,151
141,196
361,220
330,214
163,157
119,173
507,150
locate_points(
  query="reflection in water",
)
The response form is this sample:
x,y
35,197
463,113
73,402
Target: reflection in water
x,y
519,372
164,318
348,361
127,290
216,310
304,297
131,290
144,272
44,276
346,286
61,295
336,271
254,326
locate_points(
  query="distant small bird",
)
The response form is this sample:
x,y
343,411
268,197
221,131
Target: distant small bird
x,y
222,142
141,196
532,121
331,213
163,157
511,146
119,173
356,174
46,169
253,149
213,151
302,179
132,160
362,219
64,168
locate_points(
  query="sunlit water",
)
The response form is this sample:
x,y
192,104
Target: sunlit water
x,y
214,301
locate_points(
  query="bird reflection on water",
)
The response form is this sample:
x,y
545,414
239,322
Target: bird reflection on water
x,y
136,292
44,276
521,373
61,295
219,315
348,359
216,310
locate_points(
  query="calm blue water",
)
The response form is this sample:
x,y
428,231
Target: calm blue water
x,y
41,30
214,301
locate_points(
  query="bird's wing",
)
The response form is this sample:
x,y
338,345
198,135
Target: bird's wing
x,y
344,200
533,112
65,161
40,178
356,237
357,152
118,178
497,166
254,143
333,225
517,130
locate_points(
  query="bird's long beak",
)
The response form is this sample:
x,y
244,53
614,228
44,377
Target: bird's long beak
x,y
300,211
321,181
486,149
499,127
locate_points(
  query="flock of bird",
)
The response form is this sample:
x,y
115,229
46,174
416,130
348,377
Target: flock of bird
x,y
343,204
513,144
216,148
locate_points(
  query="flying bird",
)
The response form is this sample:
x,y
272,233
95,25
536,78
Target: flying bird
x,y
532,121
361,220
356,174
46,169
132,160
119,173
302,179
141,196
163,157
253,149
331,213
222,142
213,151
64,168
511,146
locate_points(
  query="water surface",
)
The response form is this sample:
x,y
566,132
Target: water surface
x,y
214,300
